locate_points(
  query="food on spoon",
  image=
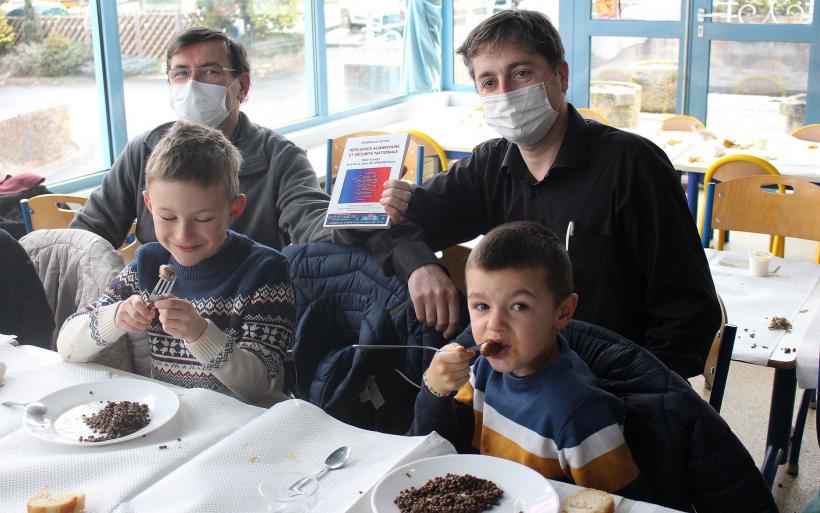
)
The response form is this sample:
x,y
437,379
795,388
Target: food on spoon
x,y
490,348
588,500
167,272
117,419
44,502
453,493
780,323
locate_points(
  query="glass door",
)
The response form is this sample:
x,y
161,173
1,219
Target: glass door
x,y
736,65
754,66
626,58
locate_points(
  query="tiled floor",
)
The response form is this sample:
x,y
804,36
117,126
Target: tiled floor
x,y
746,404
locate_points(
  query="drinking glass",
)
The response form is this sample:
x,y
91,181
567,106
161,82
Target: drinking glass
x,y
279,499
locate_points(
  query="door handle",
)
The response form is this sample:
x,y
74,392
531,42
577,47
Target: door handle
x,y
702,15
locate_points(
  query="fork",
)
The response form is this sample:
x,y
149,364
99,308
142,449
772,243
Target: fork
x,y
472,349
162,288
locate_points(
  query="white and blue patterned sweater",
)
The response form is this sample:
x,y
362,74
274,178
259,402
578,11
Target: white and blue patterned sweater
x,y
245,294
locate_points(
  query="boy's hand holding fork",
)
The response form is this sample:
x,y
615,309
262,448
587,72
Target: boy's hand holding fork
x,y
449,370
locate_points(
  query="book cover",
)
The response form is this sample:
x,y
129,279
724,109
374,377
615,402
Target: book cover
x,y
367,162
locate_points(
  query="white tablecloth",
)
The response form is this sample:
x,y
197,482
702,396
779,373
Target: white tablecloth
x,y
791,156
218,450
792,292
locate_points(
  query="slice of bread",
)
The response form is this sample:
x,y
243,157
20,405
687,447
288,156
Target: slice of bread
x,y
44,502
587,500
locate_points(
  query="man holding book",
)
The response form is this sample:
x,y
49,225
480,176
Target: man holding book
x,y
638,265
209,78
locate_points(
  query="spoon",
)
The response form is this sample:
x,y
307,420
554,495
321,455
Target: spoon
x,y
335,460
34,408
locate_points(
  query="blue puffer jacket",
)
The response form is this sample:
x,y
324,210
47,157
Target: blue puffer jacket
x,y
687,454
343,298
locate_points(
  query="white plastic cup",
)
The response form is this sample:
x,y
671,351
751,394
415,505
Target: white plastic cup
x,y
759,262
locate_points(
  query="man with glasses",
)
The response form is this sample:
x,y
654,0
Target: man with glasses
x,y
638,265
209,78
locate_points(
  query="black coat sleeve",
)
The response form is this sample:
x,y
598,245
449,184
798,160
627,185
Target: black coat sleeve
x,y
447,210
24,310
446,416
112,207
660,234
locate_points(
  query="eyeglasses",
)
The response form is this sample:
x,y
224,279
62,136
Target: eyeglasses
x,y
208,74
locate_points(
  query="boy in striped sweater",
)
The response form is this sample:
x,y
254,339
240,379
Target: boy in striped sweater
x,y
534,400
229,318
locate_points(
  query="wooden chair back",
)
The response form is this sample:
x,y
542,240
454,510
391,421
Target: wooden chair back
x,y
431,149
593,114
711,360
47,210
732,167
750,204
681,123
808,133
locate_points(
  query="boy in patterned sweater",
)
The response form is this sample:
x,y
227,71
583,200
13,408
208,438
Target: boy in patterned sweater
x,y
229,318
534,401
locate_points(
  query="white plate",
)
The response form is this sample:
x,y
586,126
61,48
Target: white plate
x,y
63,423
525,490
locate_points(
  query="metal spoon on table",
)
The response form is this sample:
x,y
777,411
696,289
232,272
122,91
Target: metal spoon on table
x,y
335,460
34,408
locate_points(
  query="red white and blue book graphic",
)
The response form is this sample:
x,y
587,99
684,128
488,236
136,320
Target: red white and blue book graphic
x,y
367,162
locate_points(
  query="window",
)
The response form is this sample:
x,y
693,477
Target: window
x,y
49,115
469,13
364,51
273,33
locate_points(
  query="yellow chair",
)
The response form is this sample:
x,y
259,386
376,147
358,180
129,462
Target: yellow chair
x,y
681,123
336,147
593,114
749,204
716,370
46,211
431,147
728,168
808,133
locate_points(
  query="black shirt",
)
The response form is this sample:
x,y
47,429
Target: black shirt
x,y
638,265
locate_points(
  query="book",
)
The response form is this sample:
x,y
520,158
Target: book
x,y
367,162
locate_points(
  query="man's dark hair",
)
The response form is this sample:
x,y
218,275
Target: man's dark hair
x,y
237,53
526,29
525,245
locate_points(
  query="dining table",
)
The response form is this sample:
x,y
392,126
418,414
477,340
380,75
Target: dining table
x,y
791,156
211,456
791,290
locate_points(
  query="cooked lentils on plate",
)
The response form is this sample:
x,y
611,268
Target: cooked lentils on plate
x,y
452,493
116,419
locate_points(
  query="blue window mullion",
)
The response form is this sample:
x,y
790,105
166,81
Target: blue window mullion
x,y
315,36
447,53
105,35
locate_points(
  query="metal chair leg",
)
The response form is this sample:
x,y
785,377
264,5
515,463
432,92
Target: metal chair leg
x,y
797,434
780,415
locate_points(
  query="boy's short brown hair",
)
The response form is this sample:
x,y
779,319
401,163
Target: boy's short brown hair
x,y
525,29
525,245
191,152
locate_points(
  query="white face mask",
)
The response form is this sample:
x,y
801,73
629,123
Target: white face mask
x,y
200,102
523,116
